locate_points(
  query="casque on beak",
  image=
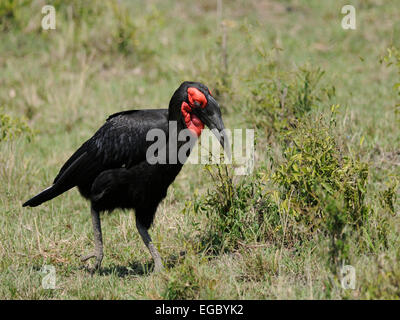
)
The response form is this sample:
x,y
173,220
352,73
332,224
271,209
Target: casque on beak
x,y
211,117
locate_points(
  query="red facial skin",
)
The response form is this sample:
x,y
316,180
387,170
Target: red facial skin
x,y
196,95
193,123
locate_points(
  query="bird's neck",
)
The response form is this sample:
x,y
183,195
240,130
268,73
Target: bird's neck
x,y
180,140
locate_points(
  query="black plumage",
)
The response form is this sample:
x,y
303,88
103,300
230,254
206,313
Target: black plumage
x,y
111,170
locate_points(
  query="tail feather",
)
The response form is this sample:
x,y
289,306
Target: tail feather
x,y
66,179
46,195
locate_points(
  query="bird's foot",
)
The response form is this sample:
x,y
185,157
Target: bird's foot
x,y
99,258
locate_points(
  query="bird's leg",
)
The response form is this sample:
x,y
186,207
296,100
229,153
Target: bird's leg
x,y
98,240
158,266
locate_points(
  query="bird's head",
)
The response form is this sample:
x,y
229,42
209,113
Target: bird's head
x,y
197,107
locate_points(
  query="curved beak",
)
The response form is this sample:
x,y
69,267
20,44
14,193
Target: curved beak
x,y
211,117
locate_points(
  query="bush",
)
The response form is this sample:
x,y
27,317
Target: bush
x,y
228,208
315,169
11,128
315,191
388,197
10,13
322,190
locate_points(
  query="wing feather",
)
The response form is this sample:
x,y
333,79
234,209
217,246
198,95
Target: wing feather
x,y
120,142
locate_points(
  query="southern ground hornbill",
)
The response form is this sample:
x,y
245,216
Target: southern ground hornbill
x,y
112,169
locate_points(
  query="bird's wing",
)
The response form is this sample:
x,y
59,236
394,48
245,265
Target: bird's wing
x,y
120,142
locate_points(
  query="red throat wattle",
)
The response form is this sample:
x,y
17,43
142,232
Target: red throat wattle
x,y
193,123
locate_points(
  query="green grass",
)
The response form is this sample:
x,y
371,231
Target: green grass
x,y
265,236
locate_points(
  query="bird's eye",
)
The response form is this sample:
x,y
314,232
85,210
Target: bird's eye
x,y
196,98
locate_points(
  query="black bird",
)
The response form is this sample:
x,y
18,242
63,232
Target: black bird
x,y
113,169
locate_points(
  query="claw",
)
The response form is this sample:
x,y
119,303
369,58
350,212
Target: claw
x,y
87,257
99,258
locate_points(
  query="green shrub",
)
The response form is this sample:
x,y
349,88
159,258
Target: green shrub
x,y
11,127
315,191
314,168
228,208
10,13
388,197
323,190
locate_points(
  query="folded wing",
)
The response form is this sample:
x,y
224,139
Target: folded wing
x,y
120,142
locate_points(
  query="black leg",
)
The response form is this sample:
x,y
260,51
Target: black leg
x,y
98,239
158,266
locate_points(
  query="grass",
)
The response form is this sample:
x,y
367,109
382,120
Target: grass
x,y
262,236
